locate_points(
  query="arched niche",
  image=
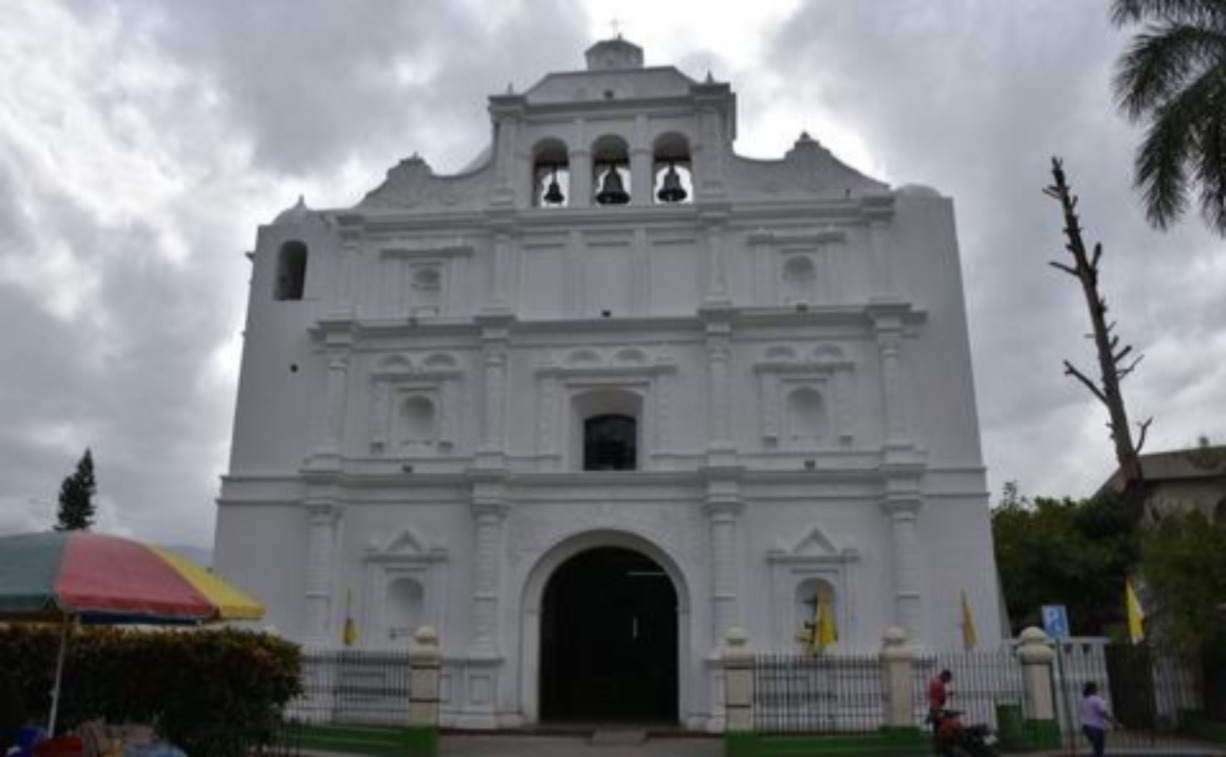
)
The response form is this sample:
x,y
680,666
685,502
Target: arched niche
x,y
807,417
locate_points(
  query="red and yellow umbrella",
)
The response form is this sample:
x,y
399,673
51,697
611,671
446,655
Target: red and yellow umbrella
x,y
99,578
74,576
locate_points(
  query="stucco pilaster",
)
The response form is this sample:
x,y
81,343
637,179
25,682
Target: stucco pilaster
x,y
716,259
640,176
902,509
719,407
489,516
889,346
323,518
580,178
490,453
333,418
723,507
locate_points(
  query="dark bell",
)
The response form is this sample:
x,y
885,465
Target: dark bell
x,y
553,195
612,192
672,191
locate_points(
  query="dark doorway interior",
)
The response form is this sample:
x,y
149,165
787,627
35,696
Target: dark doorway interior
x,y
609,640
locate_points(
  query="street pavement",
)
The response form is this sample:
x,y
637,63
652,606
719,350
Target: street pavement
x,y
471,745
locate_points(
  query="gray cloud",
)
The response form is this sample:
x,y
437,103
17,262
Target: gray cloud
x,y
139,155
313,84
974,98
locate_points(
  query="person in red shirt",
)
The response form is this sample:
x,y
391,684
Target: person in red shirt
x,y
938,693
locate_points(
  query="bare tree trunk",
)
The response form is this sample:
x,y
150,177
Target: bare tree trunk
x,y
1113,359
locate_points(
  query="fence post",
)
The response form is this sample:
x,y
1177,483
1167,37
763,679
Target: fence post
x,y
1036,655
421,739
738,694
896,662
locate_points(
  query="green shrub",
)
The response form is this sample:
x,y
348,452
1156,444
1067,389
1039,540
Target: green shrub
x,y
193,685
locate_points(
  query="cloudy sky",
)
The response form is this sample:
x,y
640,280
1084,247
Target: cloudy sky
x,y
142,143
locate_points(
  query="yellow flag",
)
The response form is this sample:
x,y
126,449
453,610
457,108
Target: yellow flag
x,y
827,633
1136,615
969,636
349,634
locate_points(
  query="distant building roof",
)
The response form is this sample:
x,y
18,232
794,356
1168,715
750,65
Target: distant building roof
x,y
1199,463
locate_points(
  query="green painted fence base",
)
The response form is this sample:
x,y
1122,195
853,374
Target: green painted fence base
x,y
1040,734
888,742
377,742
1195,723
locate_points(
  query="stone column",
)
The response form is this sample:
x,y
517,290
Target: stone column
x,y
489,513
424,663
1036,655
324,515
424,659
897,659
738,682
903,512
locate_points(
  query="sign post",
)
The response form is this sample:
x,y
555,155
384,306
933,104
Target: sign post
x,y
1056,625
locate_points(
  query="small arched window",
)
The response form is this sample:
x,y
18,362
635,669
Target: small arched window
x,y
291,271
610,442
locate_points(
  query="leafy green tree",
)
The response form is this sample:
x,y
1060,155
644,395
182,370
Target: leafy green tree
x,y
1184,555
1063,551
1172,79
76,509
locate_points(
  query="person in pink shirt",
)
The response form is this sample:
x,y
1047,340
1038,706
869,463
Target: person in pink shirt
x,y
1093,714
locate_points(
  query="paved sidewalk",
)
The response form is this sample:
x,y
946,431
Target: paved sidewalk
x,y
453,745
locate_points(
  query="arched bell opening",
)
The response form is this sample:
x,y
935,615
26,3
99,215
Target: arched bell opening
x,y
550,174
611,171
672,175
608,640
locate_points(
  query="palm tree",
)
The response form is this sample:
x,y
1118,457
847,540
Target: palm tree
x,y
1172,78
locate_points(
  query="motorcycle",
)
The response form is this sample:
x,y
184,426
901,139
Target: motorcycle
x,y
956,739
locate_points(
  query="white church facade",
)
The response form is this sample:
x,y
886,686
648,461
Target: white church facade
x,y
607,393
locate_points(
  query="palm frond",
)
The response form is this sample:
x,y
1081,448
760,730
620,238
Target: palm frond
x,y
1126,12
1210,156
1159,62
1161,167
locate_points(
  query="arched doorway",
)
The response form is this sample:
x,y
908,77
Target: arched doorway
x,y
609,640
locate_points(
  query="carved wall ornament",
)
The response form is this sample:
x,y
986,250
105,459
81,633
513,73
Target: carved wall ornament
x,y
804,395
413,403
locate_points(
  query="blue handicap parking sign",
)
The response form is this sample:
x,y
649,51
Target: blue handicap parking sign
x,y
1055,621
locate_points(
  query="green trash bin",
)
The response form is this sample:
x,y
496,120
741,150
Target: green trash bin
x,y
1009,726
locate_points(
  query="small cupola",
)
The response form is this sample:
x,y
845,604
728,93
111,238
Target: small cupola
x,y
614,54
